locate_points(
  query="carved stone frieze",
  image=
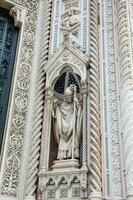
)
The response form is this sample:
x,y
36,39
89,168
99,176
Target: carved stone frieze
x,y
116,187
131,20
61,184
20,100
126,77
71,3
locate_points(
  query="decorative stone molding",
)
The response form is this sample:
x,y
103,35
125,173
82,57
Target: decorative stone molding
x,y
11,3
61,184
126,69
18,14
18,1
71,3
84,87
15,131
50,178
67,55
112,168
7,198
130,6
95,196
94,94
84,90
33,168
45,138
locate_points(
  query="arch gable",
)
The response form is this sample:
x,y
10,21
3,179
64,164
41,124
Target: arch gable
x,y
66,58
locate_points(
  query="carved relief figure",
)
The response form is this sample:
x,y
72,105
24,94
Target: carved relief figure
x,y
70,20
67,125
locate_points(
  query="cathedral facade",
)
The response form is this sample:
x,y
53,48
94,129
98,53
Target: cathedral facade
x,y
66,99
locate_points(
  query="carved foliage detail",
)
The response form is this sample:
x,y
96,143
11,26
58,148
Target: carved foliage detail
x,y
16,130
115,151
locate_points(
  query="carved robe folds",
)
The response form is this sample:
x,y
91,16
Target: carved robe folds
x,y
67,122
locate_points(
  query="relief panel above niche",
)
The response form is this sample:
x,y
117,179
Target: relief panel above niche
x,y
70,20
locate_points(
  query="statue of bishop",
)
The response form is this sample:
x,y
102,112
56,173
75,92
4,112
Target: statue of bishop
x,y
67,125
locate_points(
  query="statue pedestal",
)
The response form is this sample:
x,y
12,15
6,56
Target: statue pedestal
x,y
65,164
65,181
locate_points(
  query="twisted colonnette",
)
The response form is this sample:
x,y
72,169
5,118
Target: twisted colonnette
x,y
39,103
95,134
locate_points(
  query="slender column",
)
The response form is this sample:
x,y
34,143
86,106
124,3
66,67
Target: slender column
x,y
126,69
85,121
45,19
46,132
94,93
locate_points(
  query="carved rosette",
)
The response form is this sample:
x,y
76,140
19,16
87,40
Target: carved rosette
x,y
95,133
20,103
126,69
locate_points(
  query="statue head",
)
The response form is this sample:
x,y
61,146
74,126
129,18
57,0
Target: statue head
x,y
69,93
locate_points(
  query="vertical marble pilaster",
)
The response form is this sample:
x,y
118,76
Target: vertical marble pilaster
x,y
126,69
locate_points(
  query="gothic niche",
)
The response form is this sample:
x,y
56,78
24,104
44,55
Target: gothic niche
x,y
66,121
63,164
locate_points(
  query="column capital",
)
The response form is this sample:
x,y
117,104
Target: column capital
x,y
48,94
84,88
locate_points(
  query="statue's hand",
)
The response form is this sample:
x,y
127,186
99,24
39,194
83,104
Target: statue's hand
x,y
53,112
54,104
75,100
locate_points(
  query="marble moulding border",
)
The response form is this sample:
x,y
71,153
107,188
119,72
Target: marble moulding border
x,y
25,19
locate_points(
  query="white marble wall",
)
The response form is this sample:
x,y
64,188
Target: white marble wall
x,y
18,173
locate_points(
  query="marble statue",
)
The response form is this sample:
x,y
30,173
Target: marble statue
x,y
67,125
